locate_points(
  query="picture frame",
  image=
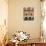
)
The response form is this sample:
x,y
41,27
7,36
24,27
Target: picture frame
x,y
28,13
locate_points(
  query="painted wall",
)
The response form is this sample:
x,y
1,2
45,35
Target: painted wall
x,y
16,21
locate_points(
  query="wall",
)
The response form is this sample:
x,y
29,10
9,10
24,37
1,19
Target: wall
x,y
16,21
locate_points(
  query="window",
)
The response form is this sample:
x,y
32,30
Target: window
x,y
3,18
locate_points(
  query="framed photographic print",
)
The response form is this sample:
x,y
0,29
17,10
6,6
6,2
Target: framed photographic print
x,y
28,13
